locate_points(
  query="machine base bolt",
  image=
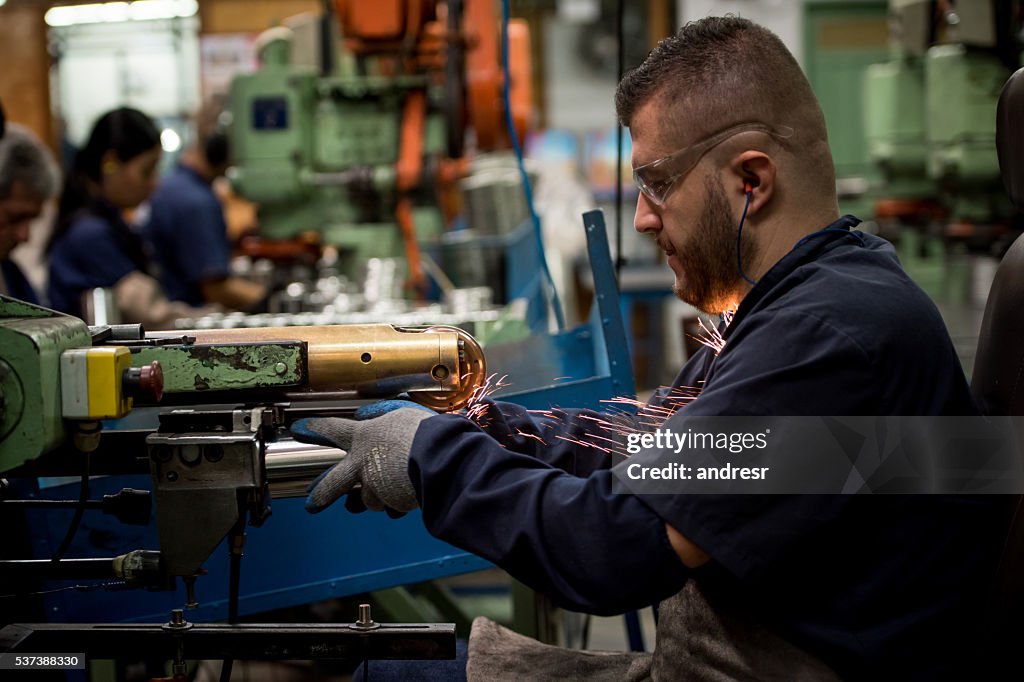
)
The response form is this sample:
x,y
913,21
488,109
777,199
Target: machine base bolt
x,y
365,621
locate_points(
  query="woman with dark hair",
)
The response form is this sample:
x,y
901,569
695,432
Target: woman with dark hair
x,y
92,246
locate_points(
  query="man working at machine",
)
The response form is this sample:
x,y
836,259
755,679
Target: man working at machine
x,y
28,177
731,155
187,231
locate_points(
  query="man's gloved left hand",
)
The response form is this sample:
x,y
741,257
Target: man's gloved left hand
x,y
382,407
377,460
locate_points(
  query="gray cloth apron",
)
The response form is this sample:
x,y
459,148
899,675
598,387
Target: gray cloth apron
x,y
695,643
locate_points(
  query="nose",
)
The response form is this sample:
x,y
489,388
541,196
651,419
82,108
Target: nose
x,y
646,218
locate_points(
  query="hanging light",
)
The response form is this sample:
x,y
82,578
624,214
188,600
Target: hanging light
x,y
140,10
170,140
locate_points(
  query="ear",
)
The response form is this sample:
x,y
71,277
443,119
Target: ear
x,y
752,172
109,163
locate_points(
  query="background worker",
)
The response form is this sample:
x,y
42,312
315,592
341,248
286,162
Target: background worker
x,y
731,154
28,178
187,231
92,245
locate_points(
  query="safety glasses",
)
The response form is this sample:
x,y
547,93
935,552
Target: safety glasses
x,y
657,178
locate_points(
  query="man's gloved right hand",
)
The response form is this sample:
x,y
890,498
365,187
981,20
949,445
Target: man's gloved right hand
x,y
377,460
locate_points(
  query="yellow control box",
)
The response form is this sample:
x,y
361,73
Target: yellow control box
x,y
92,382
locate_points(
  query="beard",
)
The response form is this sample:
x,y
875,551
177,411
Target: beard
x,y
711,279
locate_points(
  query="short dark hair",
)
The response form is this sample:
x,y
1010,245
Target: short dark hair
x,y
722,68
24,158
720,71
211,133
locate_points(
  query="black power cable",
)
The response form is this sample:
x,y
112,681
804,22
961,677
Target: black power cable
x,y
620,13
236,544
76,520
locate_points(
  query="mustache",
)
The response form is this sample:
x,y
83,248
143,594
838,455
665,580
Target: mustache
x,y
664,245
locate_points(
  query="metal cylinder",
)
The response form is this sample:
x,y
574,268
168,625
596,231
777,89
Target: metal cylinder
x,y
99,307
291,466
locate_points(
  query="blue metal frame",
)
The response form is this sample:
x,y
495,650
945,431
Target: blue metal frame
x,y
594,356
295,558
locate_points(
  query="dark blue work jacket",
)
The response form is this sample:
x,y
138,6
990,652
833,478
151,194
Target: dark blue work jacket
x,y
17,284
878,587
97,250
187,235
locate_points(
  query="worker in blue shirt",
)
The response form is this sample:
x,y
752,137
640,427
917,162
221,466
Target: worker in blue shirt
x,y
28,178
187,232
92,245
730,152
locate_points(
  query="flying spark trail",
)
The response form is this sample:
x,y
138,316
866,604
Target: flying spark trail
x,y
712,337
531,436
476,408
623,416
621,427
610,440
586,444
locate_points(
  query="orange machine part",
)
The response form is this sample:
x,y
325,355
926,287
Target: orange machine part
x,y
410,146
915,209
483,74
433,46
403,214
303,248
384,26
484,79
378,20
387,25
408,173
520,78
449,197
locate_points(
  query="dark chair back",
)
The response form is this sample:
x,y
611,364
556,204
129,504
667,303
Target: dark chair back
x,y
998,378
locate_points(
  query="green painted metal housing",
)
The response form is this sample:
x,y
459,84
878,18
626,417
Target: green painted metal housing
x,y
224,367
31,342
894,126
962,89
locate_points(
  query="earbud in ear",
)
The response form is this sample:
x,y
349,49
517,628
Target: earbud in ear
x,y
747,187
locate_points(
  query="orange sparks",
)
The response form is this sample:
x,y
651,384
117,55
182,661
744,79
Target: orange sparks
x,y
476,407
586,444
531,436
625,415
544,413
712,337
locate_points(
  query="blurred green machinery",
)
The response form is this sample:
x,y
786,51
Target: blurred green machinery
x,y
929,112
319,153
359,137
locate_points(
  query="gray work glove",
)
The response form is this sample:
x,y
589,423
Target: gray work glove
x,y
377,460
